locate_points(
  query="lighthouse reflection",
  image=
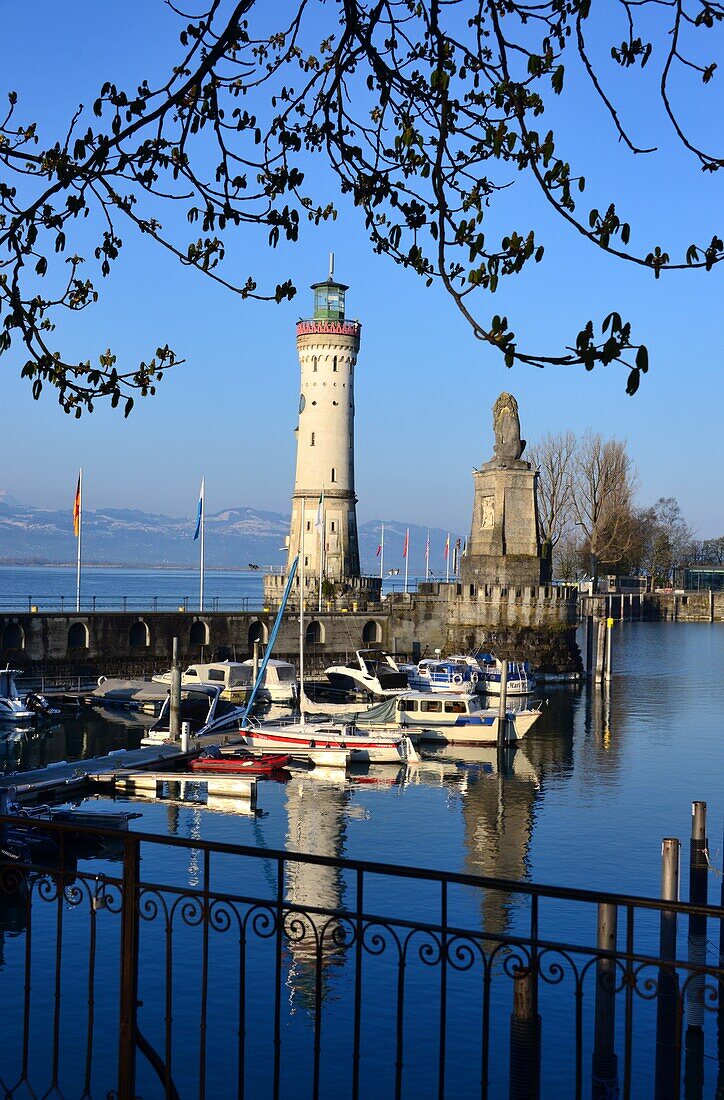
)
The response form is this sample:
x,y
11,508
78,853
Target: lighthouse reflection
x,y
316,807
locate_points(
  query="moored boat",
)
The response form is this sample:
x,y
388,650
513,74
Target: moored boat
x,y
451,718
486,672
372,671
265,764
303,738
210,718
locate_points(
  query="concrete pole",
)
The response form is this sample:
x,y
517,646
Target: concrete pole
x,y
525,1039
609,642
666,1085
175,694
695,992
503,708
604,1069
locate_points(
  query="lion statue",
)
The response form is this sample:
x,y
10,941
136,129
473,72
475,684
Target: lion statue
x,y
506,425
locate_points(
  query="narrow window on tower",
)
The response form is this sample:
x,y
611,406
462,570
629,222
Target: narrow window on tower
x,y
314,364
334,474
312,443
309,525
334,363
333,526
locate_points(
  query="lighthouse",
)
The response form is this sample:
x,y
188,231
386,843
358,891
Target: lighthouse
x,y
324,516
324,499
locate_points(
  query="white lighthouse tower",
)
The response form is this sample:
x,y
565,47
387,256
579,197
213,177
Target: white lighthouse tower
x,y
324,501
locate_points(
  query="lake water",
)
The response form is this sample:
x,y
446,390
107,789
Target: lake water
x,y
599,782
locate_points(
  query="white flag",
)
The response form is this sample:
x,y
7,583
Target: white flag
x,y
319,521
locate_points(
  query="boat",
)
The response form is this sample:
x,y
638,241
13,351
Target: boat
x,y
437,675
14,707
211,719
216,764
486,672
302,738
236,678
372,671
452,719
307,738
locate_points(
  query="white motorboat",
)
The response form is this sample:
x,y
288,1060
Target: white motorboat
x,y
307,738
486,672
453,674
372,671
14,707
211,719
236,678
453,719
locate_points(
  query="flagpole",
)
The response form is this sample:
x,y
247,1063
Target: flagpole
x,y
382,553
322,540
407,554
447,558
427,555
80,537
203,524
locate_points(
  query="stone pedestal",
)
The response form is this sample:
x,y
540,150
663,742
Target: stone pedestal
x,y
504,545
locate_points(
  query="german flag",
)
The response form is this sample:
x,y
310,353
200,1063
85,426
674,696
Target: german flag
x,y
76,510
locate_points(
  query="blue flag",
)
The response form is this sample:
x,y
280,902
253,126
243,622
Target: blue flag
x,y
198,513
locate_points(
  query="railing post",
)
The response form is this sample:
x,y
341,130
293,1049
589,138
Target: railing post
x,y
668,1041
604,1070
174,706
525,1035
129,970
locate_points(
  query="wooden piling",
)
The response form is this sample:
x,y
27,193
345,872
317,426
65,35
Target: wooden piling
x,y
609,642
525,1038
695,990
604,1068
175,694
589,646
666,1080
600,650
503,709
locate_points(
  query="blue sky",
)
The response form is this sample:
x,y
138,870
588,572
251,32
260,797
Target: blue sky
x,y
425,386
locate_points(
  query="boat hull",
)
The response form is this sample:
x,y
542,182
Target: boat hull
x,y
361,749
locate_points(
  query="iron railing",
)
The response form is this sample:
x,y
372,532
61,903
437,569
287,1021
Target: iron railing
x,y
92,603
180,967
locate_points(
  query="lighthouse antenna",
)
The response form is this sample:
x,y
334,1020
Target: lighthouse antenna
x,y
331,266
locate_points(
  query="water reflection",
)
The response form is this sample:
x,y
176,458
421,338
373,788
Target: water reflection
x,y
316,807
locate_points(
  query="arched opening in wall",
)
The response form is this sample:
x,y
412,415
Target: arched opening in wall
x,y
314,634
13,637
334,364
372,633
198,634
258,632
139,636
78,636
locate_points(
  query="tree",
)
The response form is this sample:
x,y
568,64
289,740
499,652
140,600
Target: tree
x,y
423,112
603,484
553,457
666,540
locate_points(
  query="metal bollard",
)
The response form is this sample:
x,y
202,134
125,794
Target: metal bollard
x,y
185,736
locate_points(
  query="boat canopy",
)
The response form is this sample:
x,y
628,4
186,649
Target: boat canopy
x,y
382,714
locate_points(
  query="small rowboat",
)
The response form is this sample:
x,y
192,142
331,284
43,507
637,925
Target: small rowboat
x,y
246,765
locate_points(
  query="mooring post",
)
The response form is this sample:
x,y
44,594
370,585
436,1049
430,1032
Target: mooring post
x,y
711,605
609,642
503,709
525,1036
719,1094
600,650
695,991
175,694
255,668
604,1069
589,646
668,1049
